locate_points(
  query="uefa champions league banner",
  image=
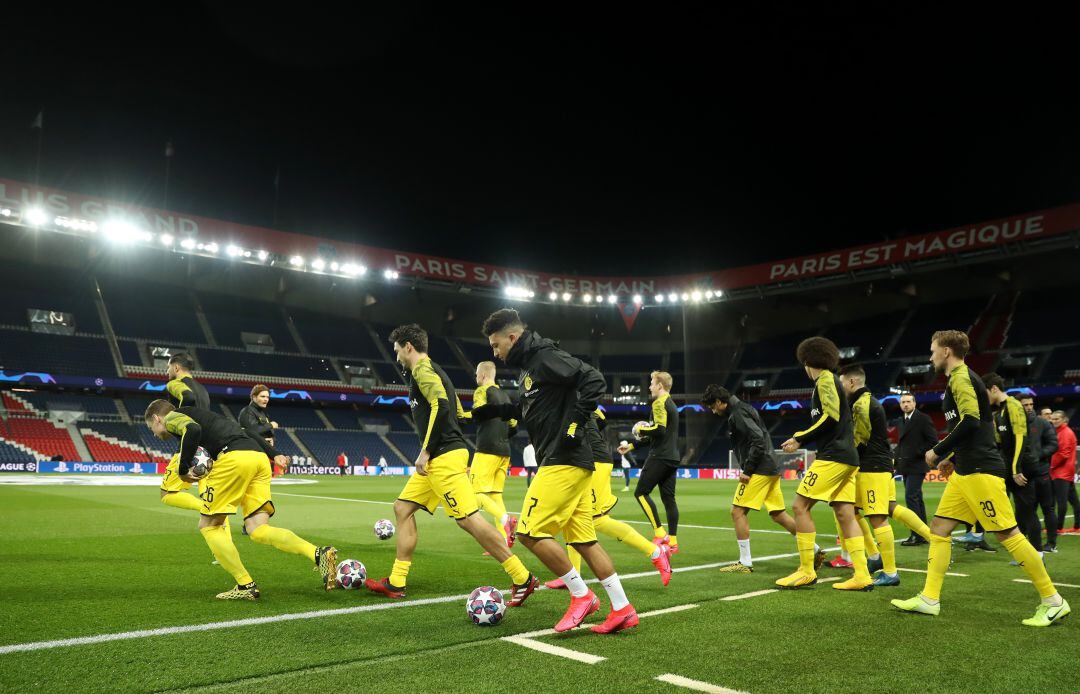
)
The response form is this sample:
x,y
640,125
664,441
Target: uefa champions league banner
x,y
65,205
65,467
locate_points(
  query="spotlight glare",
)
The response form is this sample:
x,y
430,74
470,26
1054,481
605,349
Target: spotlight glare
x,y
567,296
553,296
296,261
709,294
612,298
696,296
685,296
659,298
233,251
318,264
211,247
637,299
36,216
263,255
166,239
673,297
390,274
587,298
188,243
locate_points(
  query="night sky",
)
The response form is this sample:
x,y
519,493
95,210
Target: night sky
x,y
612,141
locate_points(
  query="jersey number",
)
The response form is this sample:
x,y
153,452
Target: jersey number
x,y
450,501
740,490
811,479
870,496
208,495
535,501
988,508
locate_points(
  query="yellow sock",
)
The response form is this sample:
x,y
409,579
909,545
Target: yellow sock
x,y
805,543
284,540
658,530
1032,564
400,573
496,510
182,500
857,549
937,565
886,543
575,557
625,534
673,541
868,537
515,569
912,521
224,551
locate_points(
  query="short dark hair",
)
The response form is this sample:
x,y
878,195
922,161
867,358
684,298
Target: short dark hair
x,y
715,393
992,379
818,353
185,360
158,407
907,394
501,320
1027,396
411,333
853,370
255,390
956,340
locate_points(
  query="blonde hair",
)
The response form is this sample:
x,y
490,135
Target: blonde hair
x,y
663,377
486,369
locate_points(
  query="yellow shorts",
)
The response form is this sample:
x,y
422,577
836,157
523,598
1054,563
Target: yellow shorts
x,y
873,492
829,481
977,497
446,483
602,498
559,501
239,479
761,489
488,473
170,481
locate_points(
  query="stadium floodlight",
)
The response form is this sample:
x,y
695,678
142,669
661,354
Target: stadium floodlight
x,y
120,231
612,298
553,296
637,299
719,293
685,296
166,239
318,264
188,243
659,298
709,294
361,270
233,251
391,274
5,212
334,266
211,247
296,261
263,255
247,254
696,296
673,297
587,298
567,296
36,216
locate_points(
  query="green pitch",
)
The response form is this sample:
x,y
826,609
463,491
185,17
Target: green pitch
x,y
93,561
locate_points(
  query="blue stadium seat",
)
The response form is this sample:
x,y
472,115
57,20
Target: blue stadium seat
x,y
231,315
10,454
129,352
22,350
408,444
629,363
325,334
929,318
342,418
257,364
172,318
91,404
327,445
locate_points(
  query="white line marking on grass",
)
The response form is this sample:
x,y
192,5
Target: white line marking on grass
x,y
922,571
687,683
554,650
1056,584
750,595
336,498
528,638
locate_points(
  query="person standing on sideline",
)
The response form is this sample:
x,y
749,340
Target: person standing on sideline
x,y
382,464
343,463
1044,444
529,455
1063,473
917,436
627,463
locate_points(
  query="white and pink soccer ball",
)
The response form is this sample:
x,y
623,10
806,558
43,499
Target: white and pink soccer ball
x,y
384,529
351,574
486,606
636,430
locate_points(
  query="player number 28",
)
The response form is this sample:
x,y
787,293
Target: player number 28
x,y
811,479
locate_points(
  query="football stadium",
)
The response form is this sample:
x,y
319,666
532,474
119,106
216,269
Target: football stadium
x,y
470,353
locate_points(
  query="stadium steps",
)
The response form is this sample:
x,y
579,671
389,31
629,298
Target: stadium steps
x,y
325,420
14,403
108,449
379,344
294,332
900,330
200,317
122,409
106,324
80,443
395,449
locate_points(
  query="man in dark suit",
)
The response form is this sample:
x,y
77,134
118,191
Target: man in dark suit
x,y
917,436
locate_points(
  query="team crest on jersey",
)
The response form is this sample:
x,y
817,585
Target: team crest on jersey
x,y
528,382
413,403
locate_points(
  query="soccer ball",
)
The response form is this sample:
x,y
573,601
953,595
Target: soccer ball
x,y
351,574
384,529
637,429
486,606
202,463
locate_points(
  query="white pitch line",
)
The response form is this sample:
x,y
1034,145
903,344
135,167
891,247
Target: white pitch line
x,y
959,575
528,639
750,595
696,685
555,650
1056,584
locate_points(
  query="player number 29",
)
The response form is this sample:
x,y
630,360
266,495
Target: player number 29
x,y
988,508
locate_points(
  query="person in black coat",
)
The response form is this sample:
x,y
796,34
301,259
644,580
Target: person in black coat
x,y
1044,444
917,436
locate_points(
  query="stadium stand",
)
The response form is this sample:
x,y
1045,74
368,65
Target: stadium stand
x,y
22,350
253,363
172,320
229,316
326,445
327,334
40,435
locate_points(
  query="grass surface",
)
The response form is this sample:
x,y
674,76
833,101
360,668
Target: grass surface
x,y
85,561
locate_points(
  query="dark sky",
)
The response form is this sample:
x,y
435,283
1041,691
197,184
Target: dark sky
x,y
602,141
